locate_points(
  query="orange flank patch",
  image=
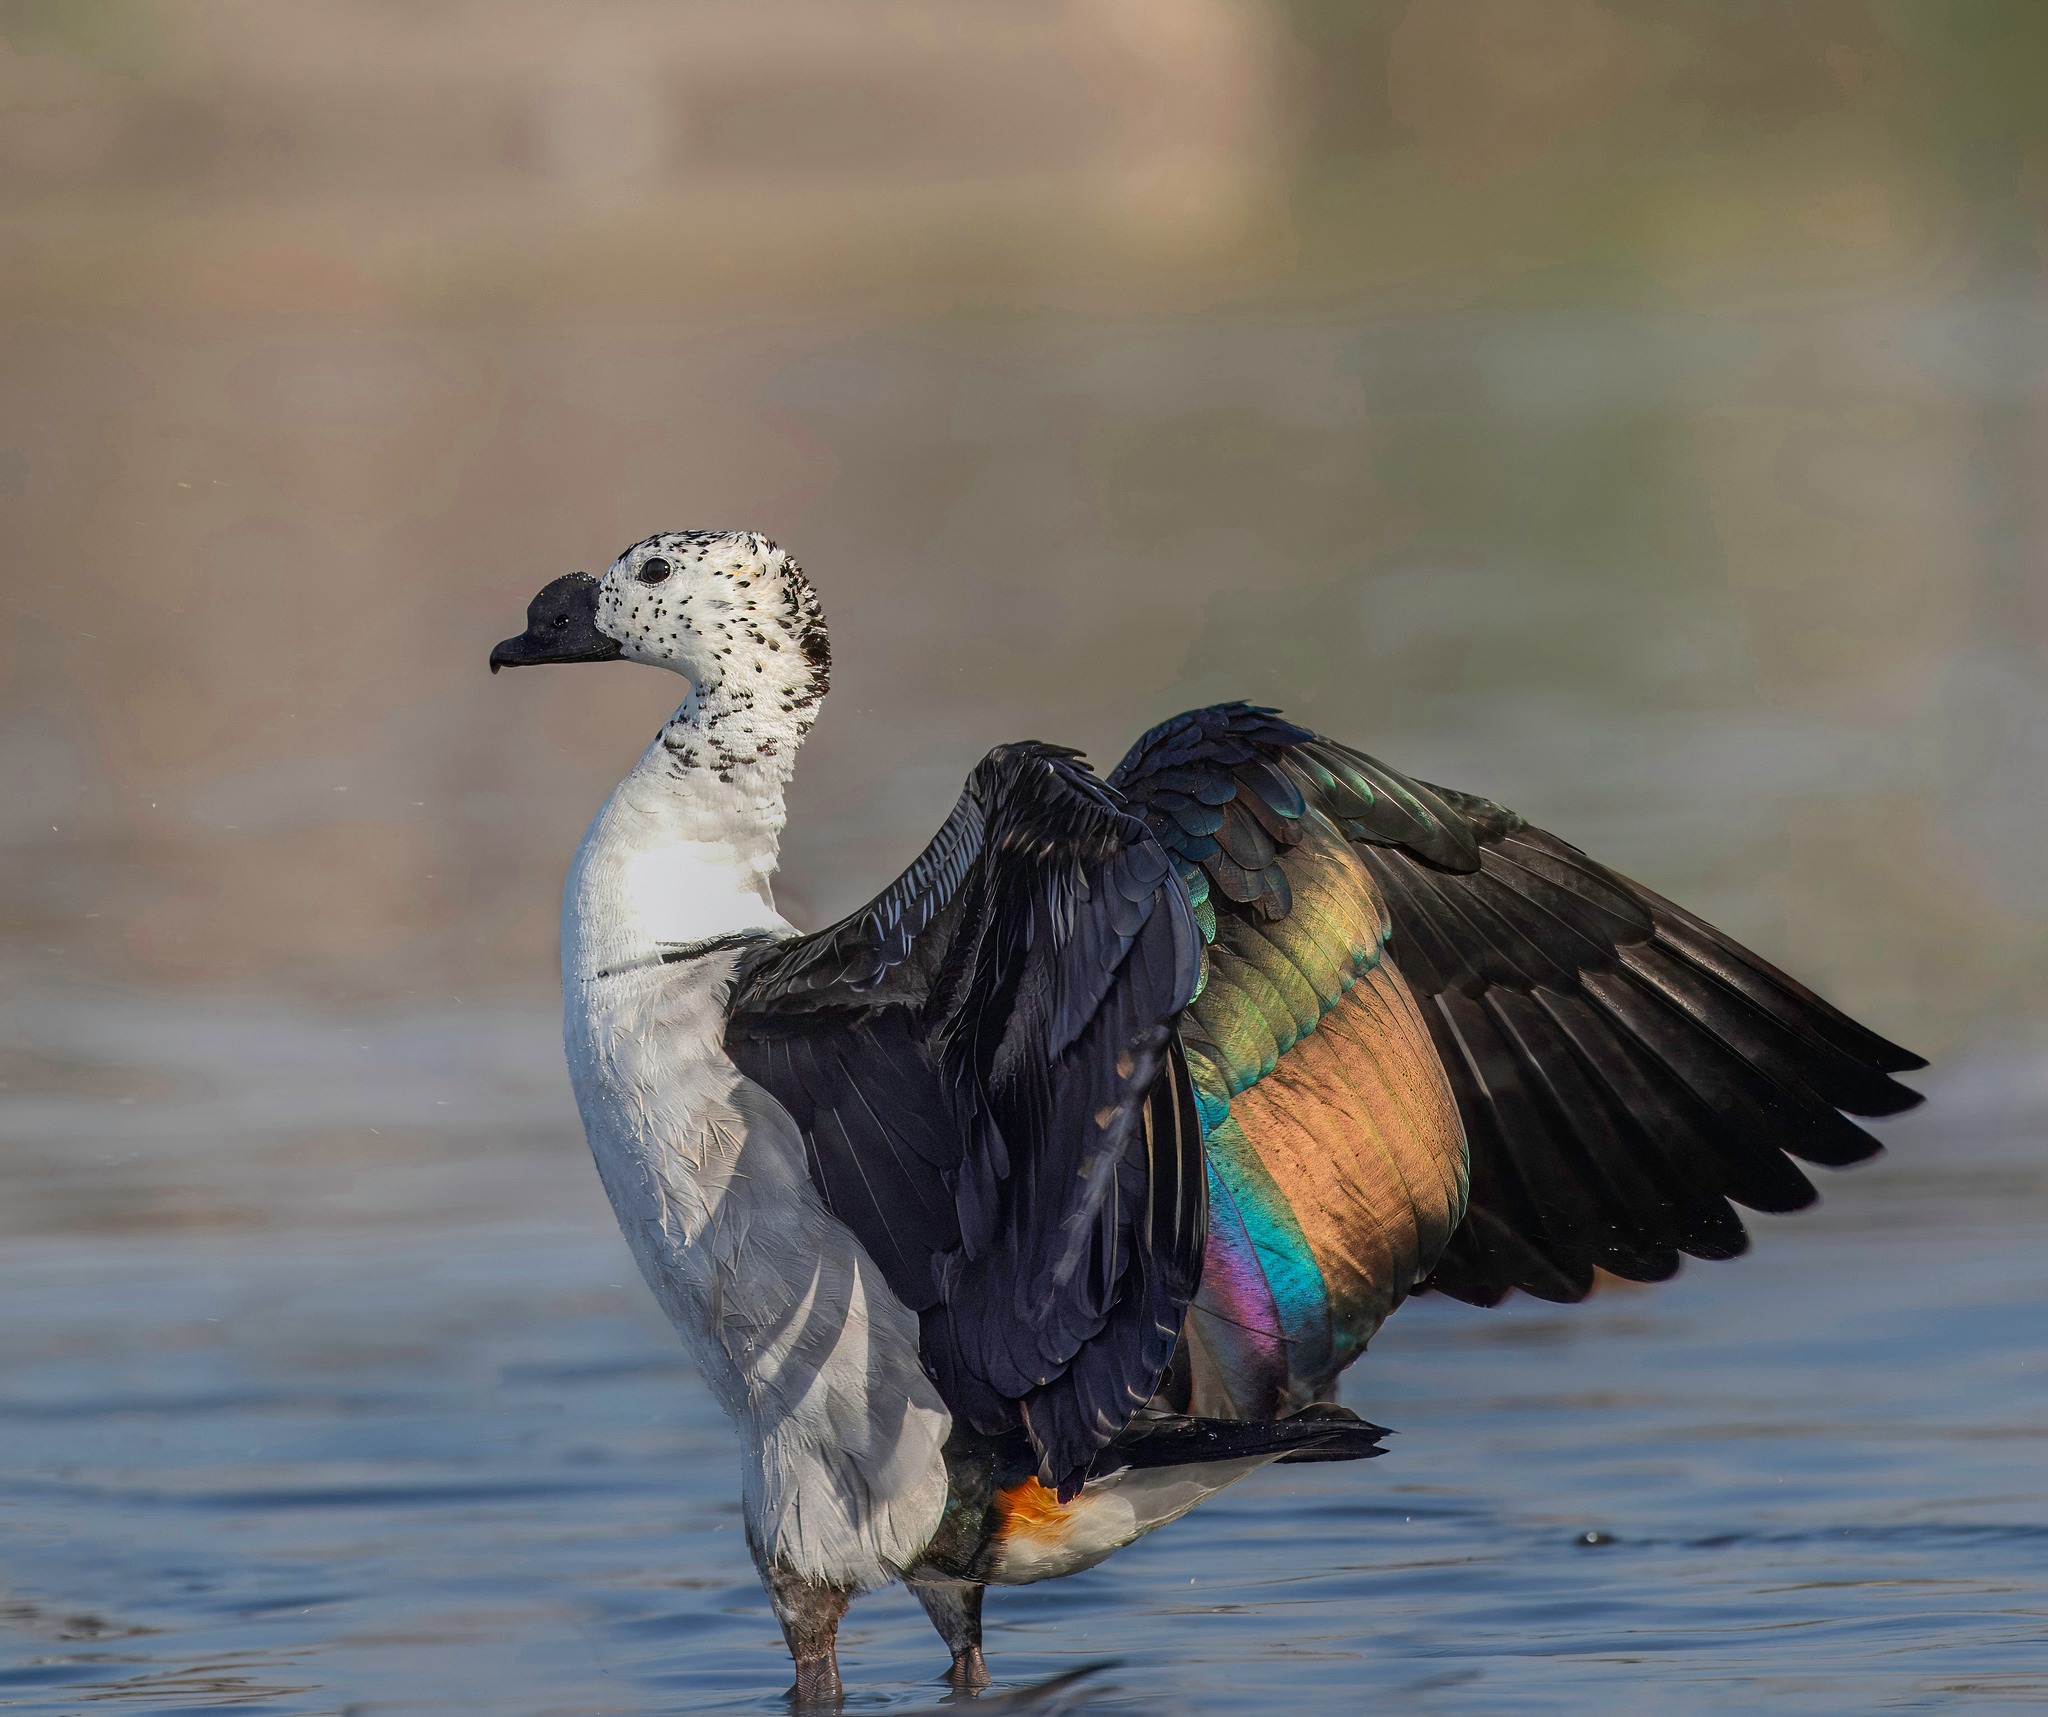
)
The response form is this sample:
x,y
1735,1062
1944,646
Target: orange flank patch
x,y
1033,1514
1038,1537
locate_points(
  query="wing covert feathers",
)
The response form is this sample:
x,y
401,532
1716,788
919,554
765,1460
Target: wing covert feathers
x,y
1336,1158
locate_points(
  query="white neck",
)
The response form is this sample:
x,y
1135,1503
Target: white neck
x,y
686,847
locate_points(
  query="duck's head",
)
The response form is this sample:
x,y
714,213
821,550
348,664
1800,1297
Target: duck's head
x,y
719,607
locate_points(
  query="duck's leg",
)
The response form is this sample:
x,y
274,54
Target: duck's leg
x,y
809,1613
955,1609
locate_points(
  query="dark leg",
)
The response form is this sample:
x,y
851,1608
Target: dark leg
x,y
809,1614
955,1609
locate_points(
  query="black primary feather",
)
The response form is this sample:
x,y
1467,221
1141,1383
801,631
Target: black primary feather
x,y
1626,1072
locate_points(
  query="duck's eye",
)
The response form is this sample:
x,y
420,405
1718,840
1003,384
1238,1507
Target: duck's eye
x,y
561,620
653,571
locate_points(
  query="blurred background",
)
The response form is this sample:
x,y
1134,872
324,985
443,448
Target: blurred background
x,y
1634,410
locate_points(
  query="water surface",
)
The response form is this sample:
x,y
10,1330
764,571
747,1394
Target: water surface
x,y
327,1387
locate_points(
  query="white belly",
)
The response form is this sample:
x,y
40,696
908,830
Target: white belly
x,y
812,1355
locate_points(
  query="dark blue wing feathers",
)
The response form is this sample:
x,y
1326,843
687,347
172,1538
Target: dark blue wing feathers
x,y
981,1065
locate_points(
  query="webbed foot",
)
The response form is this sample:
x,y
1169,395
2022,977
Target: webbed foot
x,y
969,1673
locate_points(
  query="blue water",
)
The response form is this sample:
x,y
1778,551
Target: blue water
x,y
327,1388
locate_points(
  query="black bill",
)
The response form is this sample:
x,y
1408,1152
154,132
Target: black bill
x,y
561,626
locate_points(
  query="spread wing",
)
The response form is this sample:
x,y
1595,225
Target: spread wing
x,y
983,1066
1436,1047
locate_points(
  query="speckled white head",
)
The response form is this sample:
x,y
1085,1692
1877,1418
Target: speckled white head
x,y
728,609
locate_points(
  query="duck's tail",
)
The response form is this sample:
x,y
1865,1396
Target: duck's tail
x,y
1324,1432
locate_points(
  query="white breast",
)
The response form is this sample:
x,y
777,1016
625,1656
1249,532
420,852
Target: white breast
x,y
660,868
